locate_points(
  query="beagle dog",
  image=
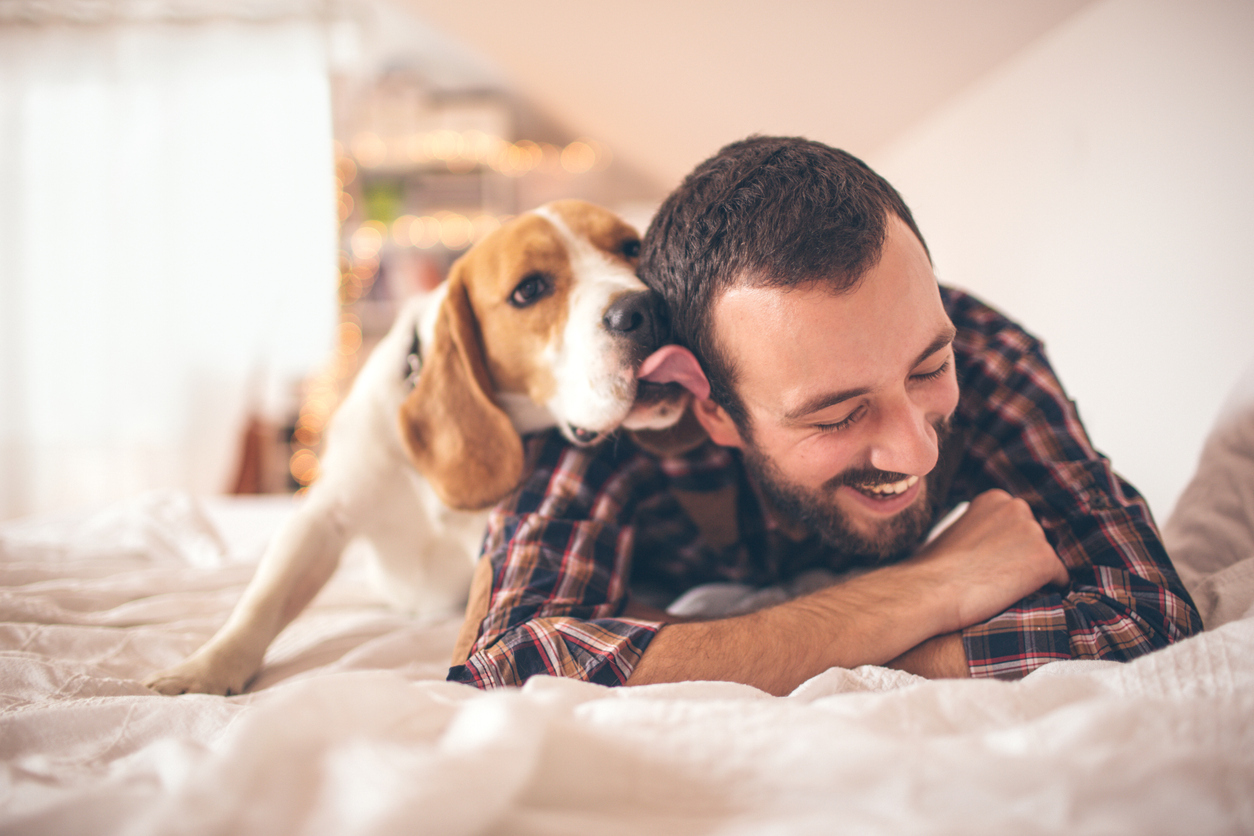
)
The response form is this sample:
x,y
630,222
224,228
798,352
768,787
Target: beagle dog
x,y
542,324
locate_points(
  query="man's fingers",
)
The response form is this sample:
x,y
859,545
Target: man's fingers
x,y
1000,550
992,498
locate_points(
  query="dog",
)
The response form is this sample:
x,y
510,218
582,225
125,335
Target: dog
x,y
542,324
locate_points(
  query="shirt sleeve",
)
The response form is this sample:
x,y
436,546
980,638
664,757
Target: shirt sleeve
x,y
1024,435
560,549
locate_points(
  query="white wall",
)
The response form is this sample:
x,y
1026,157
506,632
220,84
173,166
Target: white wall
x,y
1099,189
167,228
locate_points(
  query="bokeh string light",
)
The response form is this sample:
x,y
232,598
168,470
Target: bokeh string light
x,y
462,151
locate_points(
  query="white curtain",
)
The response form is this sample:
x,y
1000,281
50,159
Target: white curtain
x,y
167,240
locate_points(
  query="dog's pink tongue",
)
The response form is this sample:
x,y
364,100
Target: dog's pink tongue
x,y
675,364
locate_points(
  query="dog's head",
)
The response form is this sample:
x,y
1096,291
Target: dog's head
x,y
543,322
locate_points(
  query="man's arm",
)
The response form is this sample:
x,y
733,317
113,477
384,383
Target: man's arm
x,y
560,553
987,560
940,657
1023,435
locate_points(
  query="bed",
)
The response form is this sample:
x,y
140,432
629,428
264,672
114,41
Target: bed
x,y
351,729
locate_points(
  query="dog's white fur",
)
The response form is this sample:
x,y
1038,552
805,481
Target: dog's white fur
x,y
592,391
370,489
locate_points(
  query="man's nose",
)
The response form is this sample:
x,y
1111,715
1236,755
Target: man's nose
x,y
905,441
638,316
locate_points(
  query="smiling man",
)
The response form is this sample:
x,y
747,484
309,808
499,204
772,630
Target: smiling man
x,y
848,402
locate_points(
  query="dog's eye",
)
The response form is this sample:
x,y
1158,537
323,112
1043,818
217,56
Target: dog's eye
x,y
533,287
630,248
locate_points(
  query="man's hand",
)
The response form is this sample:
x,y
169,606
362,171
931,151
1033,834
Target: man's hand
x,y
994,555
995,550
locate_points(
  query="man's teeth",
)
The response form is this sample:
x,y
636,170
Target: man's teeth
x,y
891,488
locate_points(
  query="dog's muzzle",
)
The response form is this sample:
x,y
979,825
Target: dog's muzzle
x,y
639,316
585,437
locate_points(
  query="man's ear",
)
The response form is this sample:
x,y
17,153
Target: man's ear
x,y
454,432
717,423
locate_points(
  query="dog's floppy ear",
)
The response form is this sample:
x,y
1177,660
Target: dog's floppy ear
x,y
455,434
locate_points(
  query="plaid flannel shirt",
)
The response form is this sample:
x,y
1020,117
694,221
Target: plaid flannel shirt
x,y
589,527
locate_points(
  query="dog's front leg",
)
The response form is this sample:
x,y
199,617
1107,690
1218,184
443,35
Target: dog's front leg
x,y
302,557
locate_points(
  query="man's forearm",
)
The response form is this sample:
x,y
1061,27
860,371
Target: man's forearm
x,y
870,619
992,556
940,657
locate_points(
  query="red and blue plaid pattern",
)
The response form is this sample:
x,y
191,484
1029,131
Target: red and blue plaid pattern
x,y
589,527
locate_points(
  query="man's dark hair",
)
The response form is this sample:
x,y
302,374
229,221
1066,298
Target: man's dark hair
x,y
763,212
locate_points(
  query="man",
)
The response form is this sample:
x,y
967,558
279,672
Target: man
x,y
850,402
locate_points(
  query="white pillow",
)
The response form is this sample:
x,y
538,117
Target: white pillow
x,y
1210,534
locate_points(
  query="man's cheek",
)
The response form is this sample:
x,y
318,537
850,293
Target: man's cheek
x,y
951,396
818,468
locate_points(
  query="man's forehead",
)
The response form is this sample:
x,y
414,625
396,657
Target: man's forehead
x,y
748,312
789,342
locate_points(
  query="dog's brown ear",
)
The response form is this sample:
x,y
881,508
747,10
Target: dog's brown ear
x,y
455,434
686,434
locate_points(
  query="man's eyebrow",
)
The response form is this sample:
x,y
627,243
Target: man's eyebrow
x,y
828,399
823,401
943,339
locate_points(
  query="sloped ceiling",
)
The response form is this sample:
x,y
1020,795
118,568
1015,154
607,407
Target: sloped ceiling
x,y
665,83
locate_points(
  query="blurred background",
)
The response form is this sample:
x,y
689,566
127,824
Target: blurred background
x,y
209,209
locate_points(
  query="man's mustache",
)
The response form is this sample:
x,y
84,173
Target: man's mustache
x,y
871,477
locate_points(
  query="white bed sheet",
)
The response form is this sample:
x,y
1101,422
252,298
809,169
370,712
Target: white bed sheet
x,y
351,729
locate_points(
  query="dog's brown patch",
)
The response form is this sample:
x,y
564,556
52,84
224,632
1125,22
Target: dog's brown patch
x,y
454,432
605,230
518,341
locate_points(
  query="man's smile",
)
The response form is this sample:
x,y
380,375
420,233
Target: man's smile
x,y
878,502
884,491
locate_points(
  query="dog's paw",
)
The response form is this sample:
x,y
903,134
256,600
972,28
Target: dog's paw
x,y
199,676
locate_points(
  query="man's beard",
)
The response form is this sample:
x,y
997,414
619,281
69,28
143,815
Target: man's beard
x,y
892,539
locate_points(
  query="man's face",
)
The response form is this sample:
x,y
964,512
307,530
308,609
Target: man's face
x,y
848,397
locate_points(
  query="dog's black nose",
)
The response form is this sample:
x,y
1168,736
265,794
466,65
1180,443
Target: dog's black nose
x,y
638,316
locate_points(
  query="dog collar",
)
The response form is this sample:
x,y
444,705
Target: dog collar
x,y
413,362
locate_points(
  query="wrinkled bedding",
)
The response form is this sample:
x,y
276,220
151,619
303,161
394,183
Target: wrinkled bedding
x,y
350,728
